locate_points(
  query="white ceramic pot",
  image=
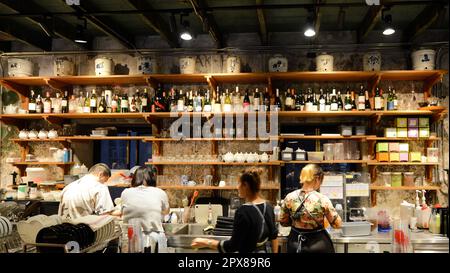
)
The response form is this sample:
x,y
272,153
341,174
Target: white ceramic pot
x,y
423,59
372,61
264,157
278,63
324,63
63,67
23,134
187,65
52,134
20,67
233,64
42,134
32,134
147,65
103,66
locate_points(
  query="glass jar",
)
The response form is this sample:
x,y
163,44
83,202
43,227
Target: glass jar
x,y
385,179
396,179
408,179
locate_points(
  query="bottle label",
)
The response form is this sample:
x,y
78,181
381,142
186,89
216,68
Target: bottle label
x,y
361,105
327,107
288,101
390,105
362,99
256,103
93,103
348,107
378,103
124,104
308,106
180,106
322,107
32,106
64,103
47,107
207,108
86,109
334,107
144,102
227,107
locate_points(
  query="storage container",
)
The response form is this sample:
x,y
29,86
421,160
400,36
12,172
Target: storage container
x,y
62,66
383,157
356,228
394,147
315,156
433,155
403,147
300,155
360,130
20,67
402,132
394,157
382,147
328,149
408,179
385,179
413,132
346,130
187,65
396,179
402,122
413,122
415,156
390,132
404,156
286,155
372,61
104,66
424,132
324,63
278,63
423,59
233,64
339,153
146,65
424,122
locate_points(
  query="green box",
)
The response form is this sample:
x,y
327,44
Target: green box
x,y
402,132
424,122
402,122
390,132
382,147
424,132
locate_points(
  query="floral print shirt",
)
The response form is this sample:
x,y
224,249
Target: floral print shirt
x,y
316,208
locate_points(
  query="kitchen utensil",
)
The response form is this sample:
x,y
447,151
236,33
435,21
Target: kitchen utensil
x,y
194,198
356,228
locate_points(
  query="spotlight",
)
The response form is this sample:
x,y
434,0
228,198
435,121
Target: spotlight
x,y
388,29
80,36
309,28
186,33
309,32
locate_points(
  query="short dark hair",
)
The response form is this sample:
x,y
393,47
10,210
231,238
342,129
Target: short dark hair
x,y
100,169
252,177
143,176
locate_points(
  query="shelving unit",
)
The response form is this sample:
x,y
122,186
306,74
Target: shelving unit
x,y
200,187
327,162
404,188
270,163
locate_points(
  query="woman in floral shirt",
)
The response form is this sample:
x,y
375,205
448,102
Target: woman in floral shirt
x,y
306,211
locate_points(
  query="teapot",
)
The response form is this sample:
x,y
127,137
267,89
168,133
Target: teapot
x,y
42,134
52,133
228,157
23,134
239,157
264,157
33,134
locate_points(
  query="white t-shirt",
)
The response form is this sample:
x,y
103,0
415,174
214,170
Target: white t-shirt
x,y
145,204
86,196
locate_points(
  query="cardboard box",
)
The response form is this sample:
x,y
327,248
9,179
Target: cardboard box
x,y
390,132
394,147
403,147
394,157
382,147
413,122
404,156
424,132
383,157
415,156
424,122
413,132
401,122
402,132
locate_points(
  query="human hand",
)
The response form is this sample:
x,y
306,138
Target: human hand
x,y
199,243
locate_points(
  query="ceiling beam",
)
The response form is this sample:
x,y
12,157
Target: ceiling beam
x,y
422,21
208,21
317,16
26,36
58,26
371,18
262,23
156,22
105,25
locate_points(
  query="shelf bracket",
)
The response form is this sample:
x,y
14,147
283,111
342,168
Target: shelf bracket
x,y
54,120
269,86
373,82
55,84
428,84
212,83
152,82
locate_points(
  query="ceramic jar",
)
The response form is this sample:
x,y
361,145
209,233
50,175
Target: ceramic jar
x,y
146,65
423,59
33,134
233,64
187,65
324,63
63,67
103,66
52,134
278,63
23,134
372,61
20,67
264,157
42,134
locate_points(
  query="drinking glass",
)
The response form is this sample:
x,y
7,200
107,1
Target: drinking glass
x,y
339,151
328,149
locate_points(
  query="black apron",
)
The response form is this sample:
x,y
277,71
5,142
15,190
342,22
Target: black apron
x,y
264,245
307,240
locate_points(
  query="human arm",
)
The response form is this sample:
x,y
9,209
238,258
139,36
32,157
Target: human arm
x,y
275,245
285,213
331,214
103,202
165,207
204,242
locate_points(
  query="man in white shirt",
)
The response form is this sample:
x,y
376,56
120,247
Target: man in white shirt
x,y
88,195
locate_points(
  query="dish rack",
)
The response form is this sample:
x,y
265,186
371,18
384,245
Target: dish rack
x,y
11,243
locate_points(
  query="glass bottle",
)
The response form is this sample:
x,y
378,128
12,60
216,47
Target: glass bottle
x,y
181,102
328,101
93,102
256,100
73,104
138,101
334,101
87,103
340,103
367,106
227,107
102,105
361,99
133,107
378,100
39,105
65,103
47,104
390,100
207,107
124,103
57,103
354,106
395,99
278,105
347,102
309,101
266,101
246,102
32,103
145,101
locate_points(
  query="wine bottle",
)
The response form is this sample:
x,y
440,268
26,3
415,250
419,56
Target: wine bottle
x,y
47,104
32,103
65,103
278,106
347,101
133,107
299,101
93,102
102,104
246,102
334,101
378,100
395,99
207,107
288,103
39,105
227,107
190,104
256,100
367,107
309,101
138,101
144,101
57,103
321,101
124,103
340,103
354,106
114,104
361,99
328,101
390,100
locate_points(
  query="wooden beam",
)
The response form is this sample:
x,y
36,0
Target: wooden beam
x,y
26,36
156,22
317,17
208,21
60,27
422,21
262,23
371,18
105,25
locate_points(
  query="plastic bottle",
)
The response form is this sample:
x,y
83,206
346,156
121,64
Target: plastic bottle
x,y
131,240
437,223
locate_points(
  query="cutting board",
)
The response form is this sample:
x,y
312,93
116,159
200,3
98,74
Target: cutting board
x,y
201,213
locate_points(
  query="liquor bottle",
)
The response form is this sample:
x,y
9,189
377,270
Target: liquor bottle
x,y
39,105
180,102
340,103
236,100
347,102
145,102
256,100
378,100
288,102
189,102
266,101
65,103
207,107
115,104
278,106
102,104
138,101
173,100
354,106
32,103
197,102
367,107
390,100
159,101
395,99
299,101
246,102
227,107
124,103
93,102
87,103
334,101
217,106
321,101
47,104
57,103
80,103
361,99
133,107
309,101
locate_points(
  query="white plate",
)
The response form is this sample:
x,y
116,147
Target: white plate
x,y
2,228
8,225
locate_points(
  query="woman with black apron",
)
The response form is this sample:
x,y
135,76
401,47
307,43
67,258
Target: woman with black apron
x,y
305,210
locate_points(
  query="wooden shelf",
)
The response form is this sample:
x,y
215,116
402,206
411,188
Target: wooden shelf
x,y
326,162
58,139
90,138
374,163
24,163
155,139
404,188
299,137
212,187
372,138
270,163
